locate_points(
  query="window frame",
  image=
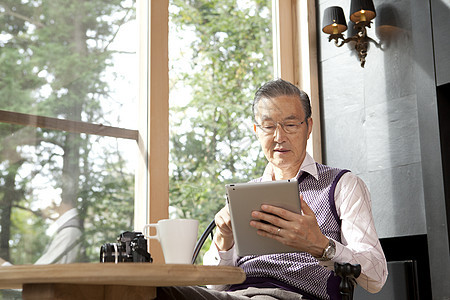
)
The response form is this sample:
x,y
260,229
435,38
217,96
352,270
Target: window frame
x,y
295,56
152,175
31,120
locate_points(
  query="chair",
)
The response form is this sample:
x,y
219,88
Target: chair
x,y
347,272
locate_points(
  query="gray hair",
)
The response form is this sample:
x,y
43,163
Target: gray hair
x,y
279,87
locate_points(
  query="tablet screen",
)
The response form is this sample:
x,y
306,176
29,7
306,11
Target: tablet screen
x,y
243,198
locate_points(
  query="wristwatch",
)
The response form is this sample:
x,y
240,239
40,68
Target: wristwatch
x,y
329,251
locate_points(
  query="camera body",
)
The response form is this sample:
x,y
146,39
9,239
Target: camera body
x,y
131,246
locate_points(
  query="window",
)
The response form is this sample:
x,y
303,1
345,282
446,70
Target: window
x,y
68,105
219,53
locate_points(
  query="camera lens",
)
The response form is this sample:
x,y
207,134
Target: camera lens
x,y
111,252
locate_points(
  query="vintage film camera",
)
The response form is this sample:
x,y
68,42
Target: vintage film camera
x,y
130,247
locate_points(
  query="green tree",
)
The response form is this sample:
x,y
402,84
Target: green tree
x,y
53,56
17,81
108,200
232,55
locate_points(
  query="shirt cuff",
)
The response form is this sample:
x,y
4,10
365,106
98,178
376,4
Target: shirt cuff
x,y
215,257
343,254
226,255
6,263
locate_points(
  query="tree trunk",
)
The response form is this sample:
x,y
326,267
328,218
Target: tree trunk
x,y
10,195
72,145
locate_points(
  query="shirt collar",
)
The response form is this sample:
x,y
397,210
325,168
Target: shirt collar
x,y
308,165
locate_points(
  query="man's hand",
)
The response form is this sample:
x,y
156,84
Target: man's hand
x,y
300,231
223,237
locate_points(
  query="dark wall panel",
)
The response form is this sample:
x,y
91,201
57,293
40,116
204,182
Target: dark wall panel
x,y
430,147
443,98
382,123
370,117
441,27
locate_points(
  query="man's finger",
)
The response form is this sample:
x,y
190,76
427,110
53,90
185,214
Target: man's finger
x,y
305,208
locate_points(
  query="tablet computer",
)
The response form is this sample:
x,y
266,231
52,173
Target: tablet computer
x,y
243,198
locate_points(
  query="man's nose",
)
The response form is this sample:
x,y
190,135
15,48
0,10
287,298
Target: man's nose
x,y
279,133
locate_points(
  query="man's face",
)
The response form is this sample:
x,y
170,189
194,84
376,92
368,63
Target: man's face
x,y
285,151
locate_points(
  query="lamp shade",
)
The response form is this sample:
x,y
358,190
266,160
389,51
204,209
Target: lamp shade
x,y
362,10
334,20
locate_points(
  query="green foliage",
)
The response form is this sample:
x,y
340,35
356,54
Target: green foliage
x,y
106,203
211,140
28,240
53,55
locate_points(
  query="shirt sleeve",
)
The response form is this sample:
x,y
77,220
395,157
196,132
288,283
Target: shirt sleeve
x,y
360,243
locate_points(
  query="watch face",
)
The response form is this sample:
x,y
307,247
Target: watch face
x,y
331,250
330,253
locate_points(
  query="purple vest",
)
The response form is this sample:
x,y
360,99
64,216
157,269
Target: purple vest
x,y
299,271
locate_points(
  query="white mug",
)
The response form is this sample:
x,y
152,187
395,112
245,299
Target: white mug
x,y
177,238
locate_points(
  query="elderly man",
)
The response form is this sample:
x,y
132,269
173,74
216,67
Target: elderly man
x,y
336,224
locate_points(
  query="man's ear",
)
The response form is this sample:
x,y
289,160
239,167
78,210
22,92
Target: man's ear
x,y
310,125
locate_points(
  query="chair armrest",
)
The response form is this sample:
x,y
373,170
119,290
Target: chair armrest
x,y
202,239
348,274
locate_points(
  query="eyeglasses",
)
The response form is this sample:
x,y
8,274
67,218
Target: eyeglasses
x,y
288,126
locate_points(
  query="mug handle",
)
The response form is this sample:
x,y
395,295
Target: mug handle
x,y
147,235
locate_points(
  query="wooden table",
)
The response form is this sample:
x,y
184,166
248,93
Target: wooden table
x,y
110,281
